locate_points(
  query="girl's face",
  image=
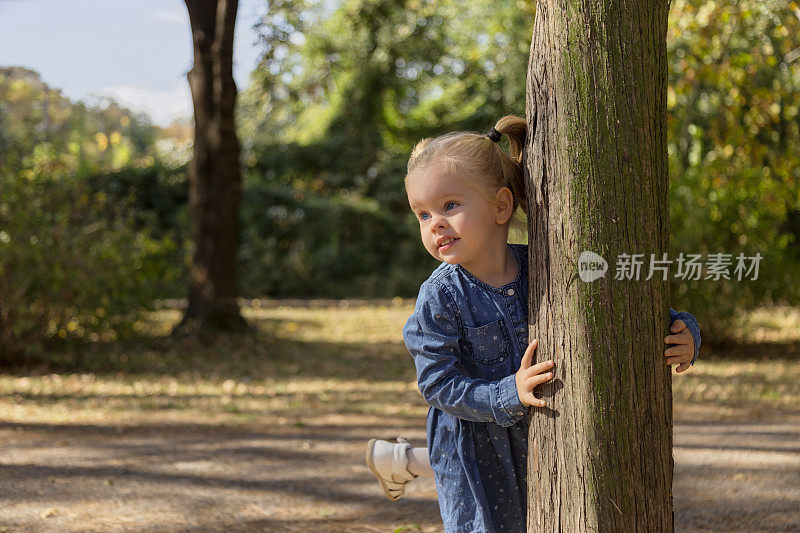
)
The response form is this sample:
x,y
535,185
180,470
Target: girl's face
x,y
447,208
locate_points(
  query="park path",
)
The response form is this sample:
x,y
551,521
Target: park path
x,y
310,476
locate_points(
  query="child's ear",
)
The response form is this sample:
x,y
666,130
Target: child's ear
x,y
504,203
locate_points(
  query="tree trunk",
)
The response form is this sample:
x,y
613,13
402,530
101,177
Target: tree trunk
x,y
600,454
214,176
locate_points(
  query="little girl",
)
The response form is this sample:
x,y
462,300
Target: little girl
x,y
469,331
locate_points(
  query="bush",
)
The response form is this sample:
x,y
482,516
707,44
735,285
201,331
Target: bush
x,y
306,245
71,265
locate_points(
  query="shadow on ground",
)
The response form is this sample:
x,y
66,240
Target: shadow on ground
x,y
186,477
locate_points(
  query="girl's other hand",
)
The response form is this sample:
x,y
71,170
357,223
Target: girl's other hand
x,y
528,377
681,354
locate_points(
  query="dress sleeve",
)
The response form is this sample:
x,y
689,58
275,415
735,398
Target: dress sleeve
x,y
691,323
432,335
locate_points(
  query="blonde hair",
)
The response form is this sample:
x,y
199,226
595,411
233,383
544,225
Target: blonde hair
x,y
480,161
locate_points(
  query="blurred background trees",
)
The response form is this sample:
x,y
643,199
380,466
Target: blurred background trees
x,y
93,222
335,107
733,107
87,234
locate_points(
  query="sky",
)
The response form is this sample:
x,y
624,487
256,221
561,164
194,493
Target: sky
x,y
136,51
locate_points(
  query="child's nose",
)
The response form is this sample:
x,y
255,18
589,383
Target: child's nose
x,y
439,222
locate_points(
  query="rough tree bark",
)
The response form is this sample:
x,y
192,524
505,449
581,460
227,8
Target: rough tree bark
x,y
214,177
600,455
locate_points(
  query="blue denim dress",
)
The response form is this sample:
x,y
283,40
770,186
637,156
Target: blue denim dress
x,y
467,339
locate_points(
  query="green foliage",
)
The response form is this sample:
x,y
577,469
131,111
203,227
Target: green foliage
x,y
81,189
306,245
67,269
335,107
43,132
734,147
155,196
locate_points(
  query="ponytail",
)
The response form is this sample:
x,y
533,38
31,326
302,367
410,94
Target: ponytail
x,y
515,128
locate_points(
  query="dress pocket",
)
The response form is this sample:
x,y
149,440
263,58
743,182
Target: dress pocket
x,y
489,343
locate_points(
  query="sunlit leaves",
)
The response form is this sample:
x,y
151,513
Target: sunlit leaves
x,y
41,131
734,141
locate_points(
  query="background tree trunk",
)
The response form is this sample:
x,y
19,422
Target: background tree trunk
x,y
214,175
601,455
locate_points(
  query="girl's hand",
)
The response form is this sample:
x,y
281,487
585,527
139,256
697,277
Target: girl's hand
x,y
527,377
683,351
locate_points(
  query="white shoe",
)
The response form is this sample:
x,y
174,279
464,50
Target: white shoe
x,y
389,463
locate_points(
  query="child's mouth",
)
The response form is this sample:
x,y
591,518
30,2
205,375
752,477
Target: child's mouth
x,y
447,245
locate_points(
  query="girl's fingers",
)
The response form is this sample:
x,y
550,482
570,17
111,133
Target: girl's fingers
x,y
527,358
678,338
538,368
538,379
678,325
685,337
533,401
681,349
683,366
678,359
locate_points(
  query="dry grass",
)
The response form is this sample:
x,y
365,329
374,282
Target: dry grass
x,y
770,325
301,362
310,362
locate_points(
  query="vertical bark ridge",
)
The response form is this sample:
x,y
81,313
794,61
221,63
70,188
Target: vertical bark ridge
x,y
600,457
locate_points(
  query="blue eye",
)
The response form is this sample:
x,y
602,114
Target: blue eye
x,y
422,216
449,204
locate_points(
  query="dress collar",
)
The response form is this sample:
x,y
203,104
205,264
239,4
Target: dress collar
x,y
501,289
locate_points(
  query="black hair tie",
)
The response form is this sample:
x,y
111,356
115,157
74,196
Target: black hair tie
x,y
494,135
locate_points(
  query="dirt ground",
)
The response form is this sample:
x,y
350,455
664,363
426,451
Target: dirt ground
x,y
266,432
309,475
